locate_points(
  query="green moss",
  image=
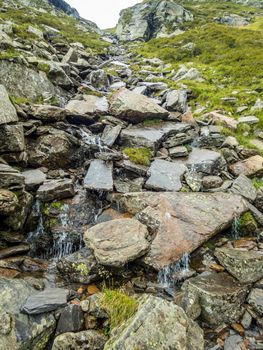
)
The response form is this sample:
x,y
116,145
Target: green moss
x,y
247,223
151,122
82,268
44,67
119,306
9,54
140,155
258,183
19,100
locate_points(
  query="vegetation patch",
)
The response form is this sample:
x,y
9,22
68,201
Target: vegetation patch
x,y
119,306
247,223
140,155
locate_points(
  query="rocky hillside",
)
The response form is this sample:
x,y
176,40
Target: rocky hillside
x,y
131,178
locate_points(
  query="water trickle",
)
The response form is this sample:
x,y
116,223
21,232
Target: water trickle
x,y
93,140
171,275
37,212
235,229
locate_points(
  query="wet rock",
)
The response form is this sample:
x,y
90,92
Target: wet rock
x,y
109,156
7,110
220,297
15,250
56,189
89,105
8,202
71,319
99,176
80,267
176,100
245,266
23,332
33,178
90,340
175,331
255,299
11,138
165,175
188,218
110,135
117,242
152,136
134,108
205,161
252,166
48,300
209,182
244,186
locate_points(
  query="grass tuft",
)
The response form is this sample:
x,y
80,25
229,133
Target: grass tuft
x,y
140,155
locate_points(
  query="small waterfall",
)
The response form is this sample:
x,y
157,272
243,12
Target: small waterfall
x,y
92,140
172,274
235,229
37,211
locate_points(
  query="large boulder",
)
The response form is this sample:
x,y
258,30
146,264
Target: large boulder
x,y
117,242
20,331
89,105
246,266
56,189
11,138
8,202
158,324
219,295
182,221
134,108
7,110
154,18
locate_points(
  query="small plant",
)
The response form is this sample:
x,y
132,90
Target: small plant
x,y
82,268
140,155
247,223
119,306
258,183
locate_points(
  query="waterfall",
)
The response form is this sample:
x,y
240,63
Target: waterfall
x,y
235,229
172,274
91,140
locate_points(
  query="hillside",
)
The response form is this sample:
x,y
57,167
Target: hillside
x,y
131,177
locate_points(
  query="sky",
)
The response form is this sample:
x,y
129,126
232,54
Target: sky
x,y
105,13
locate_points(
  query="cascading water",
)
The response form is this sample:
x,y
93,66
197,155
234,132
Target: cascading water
x,y
235,229
171,275
92,140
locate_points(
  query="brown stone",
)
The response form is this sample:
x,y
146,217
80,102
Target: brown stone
x,y
252,166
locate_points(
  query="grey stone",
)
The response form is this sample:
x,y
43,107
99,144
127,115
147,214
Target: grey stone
x,y
7,110
153,86
55,190
11,138
165,175
232,342
33,178
220,297
89,340
246,320
71,319
118,85
11,178
205,161
175,330
135,168
244,186
194,180
176,100
245,266
110,135
185,73
233,20
89,105
255,299
252,166
179,151
99,176
211,181
248,120
8,202
48,300
71,56
117,242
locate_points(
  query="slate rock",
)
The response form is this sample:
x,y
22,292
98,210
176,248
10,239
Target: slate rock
x,y
71,319
33,178
56,190
99,176
7,110
89,340
244,186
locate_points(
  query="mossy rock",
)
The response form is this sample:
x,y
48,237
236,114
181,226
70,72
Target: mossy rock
x,y
247,223
141,155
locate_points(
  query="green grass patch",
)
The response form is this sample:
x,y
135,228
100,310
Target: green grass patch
x,y
141,155
258,183
119,306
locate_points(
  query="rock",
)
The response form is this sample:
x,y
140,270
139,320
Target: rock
x,y
89,105
194,181
255,299
11,138
80,267
219,295
209,182
245,266
71,319
48,300
252,166
20,331
118,85
188,218
71,56
47,113
134,108
138,169
234,21
179,151
153,86
56,190
117,242
99,176
259,201
90,340
165,175
246,320
175,331
53,149
99,79
176,100
233,342
222,120
248,120
33,178
150,136
7,110
124,186
11,178
244,186
185,73
110,135
258,106
152,19
14,250
204,161
8,202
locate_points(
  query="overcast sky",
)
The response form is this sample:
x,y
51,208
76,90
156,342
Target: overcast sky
x,y
104,13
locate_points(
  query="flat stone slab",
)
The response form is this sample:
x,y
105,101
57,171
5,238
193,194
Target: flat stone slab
x,y
48,300
165,175
56,189
248,120
89,105
244,186
252,166
117,242
7,110
204,161
33,178
99,176
182,221
151,136
245,266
